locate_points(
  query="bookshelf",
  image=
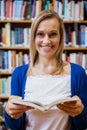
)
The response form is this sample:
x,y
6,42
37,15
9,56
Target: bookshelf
x,y
3,100
18,18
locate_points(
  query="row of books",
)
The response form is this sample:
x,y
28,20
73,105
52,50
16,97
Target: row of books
x,y
3,126
5,86
18,9
2,107
71,9
75,35
11,59
78,58
29,9
14,37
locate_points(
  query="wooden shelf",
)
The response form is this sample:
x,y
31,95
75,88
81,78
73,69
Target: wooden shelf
x,y
78,22
2,121
14,48
3,97
75,49
16,21
27,49
30,21
5,73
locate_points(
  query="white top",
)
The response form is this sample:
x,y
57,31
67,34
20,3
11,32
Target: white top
x,y
45,89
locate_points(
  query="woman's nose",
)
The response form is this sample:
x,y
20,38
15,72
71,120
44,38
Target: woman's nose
x,y
46,40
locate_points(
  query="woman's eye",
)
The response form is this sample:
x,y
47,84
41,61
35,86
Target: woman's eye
x,y
40,34
53,34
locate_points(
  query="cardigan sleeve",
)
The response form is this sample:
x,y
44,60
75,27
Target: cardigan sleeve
x,y
16,89
80,89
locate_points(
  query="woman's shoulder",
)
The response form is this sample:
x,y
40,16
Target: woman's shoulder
x,y
76,68
21,69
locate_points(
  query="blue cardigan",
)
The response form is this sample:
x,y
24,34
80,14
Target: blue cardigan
x,y
78,87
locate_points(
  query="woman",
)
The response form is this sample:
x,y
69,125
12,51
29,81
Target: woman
x,y
46,78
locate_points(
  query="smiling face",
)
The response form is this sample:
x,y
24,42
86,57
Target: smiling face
x,y
47,38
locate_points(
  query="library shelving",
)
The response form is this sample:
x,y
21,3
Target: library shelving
x,y
15,21
3,100
22,49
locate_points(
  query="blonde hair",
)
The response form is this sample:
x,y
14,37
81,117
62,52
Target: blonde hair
x,y
46,14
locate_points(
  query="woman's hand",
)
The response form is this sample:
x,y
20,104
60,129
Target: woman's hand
x,y
73,108
13,110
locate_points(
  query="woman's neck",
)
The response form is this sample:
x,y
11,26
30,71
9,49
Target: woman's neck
x,y
46,66
46,62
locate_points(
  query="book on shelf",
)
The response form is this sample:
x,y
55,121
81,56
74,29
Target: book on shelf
x,y
17,9
34,9
85,10
38,7
5,88
82,35
24,9
3,9
29,10
8,6
38,105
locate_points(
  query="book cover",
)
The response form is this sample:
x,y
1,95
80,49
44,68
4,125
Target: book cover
x,y
29,10
85,10
0,86
1,60
5,60
47,6
20,58
43,4
34,9
38,7
17,9
81,9
9,60
76,29
0,10
3,9
13,59
3,36
24,9
8,9
8,34
82,35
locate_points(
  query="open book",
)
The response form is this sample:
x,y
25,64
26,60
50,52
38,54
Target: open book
x,y
41,106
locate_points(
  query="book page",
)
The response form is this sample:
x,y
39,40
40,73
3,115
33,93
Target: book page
x,y
34,104
62,100
40,106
